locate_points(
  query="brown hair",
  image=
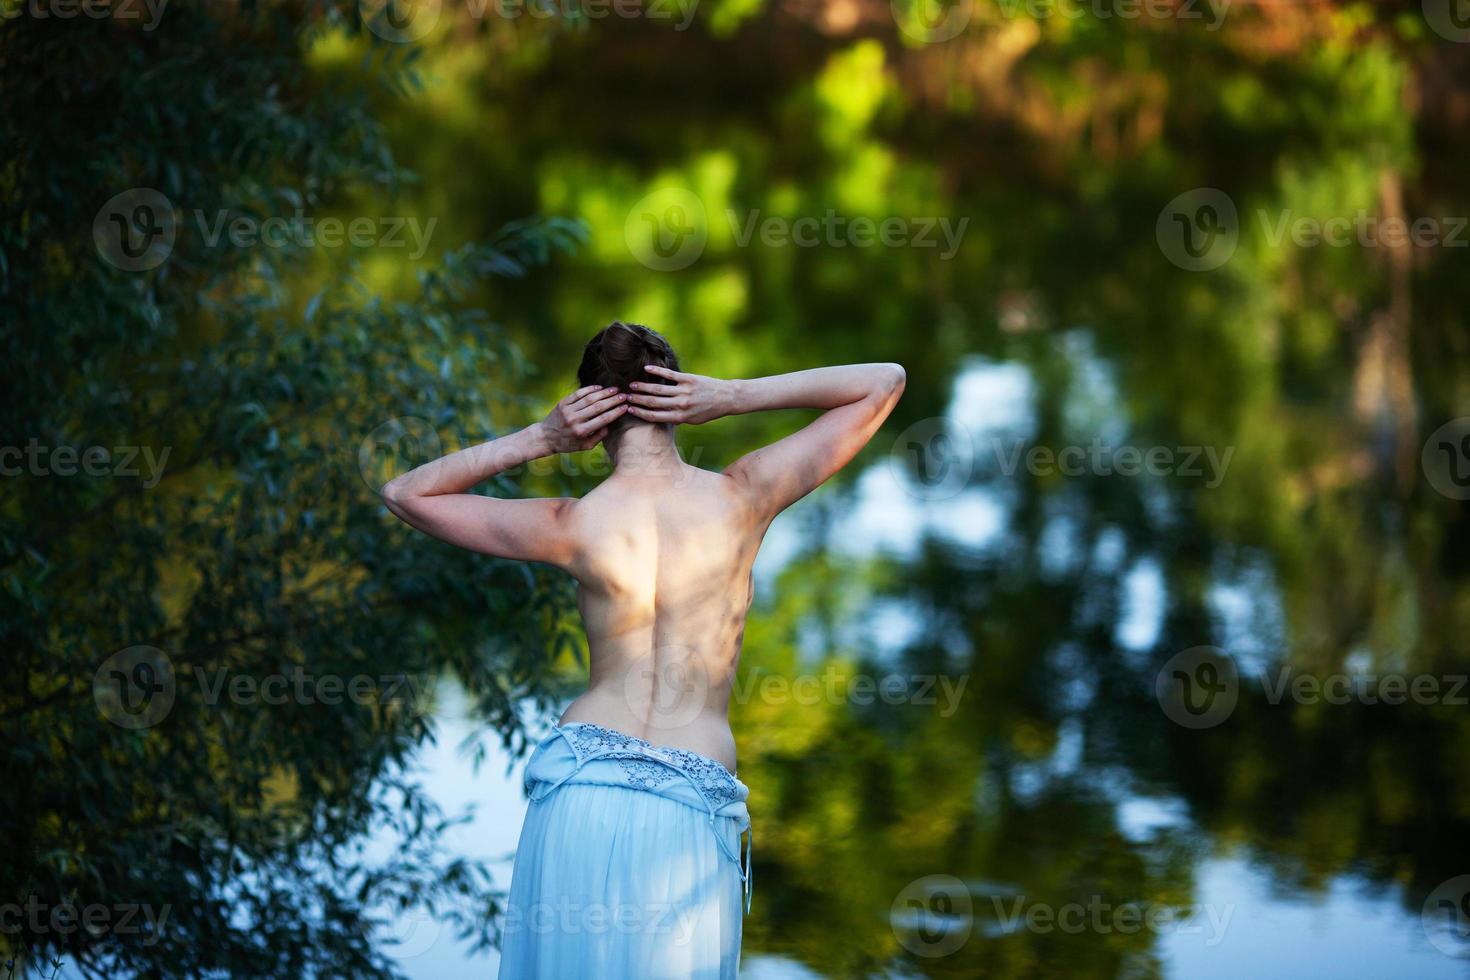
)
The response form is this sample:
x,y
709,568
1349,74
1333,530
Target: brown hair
x,y
617,355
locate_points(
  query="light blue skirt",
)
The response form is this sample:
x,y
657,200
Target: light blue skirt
x,y
629,864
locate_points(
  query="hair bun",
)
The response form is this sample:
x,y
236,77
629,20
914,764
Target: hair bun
x,y
619,352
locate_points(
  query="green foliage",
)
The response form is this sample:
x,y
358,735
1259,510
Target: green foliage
x,y
255,546
276,378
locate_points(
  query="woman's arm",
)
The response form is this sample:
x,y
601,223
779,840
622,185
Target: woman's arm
x,y
856,398
433,497
824,387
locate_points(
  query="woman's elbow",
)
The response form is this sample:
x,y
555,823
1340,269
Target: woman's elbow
x,y
892,379
397,498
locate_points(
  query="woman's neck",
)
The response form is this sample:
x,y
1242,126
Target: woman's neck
x,y
645,449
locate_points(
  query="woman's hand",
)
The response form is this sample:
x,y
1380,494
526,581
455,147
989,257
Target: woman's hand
x,y
580,420
691,399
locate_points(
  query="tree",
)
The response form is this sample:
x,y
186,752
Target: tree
x,y
218,645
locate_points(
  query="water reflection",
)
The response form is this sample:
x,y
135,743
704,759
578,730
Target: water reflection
x,y
1104,459
1086,833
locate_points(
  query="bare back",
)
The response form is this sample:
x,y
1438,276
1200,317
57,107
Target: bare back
x,y
664,573
662,550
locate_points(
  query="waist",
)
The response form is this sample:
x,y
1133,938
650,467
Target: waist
x,y
590,752
667,720
583,752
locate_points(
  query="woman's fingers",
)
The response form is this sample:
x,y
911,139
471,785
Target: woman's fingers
x,y
657,387
596,422
651,400
664,372
596,402
575,397
653,415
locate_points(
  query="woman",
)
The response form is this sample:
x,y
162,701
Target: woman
x,y
629,863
